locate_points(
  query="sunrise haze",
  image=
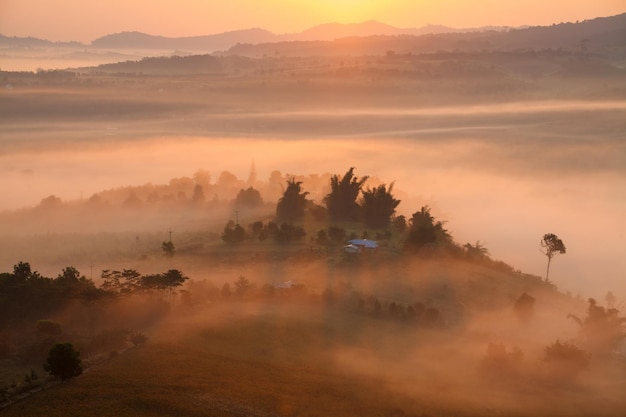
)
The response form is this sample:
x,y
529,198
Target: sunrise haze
x,y
77,20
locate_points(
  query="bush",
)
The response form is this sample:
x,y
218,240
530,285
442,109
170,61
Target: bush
x,y
137,338
63,361
565,360
500,364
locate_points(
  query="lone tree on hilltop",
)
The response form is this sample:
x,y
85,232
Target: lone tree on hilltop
x,y
550,246
63,361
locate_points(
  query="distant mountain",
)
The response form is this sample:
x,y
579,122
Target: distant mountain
x,y
373,37
226,40
208,43
606,35
30,42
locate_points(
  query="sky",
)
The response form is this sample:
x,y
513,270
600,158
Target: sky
x,y
87,20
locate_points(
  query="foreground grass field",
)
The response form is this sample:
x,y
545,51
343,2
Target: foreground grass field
x,y
261,359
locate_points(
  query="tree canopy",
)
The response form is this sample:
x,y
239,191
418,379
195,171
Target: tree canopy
x,y
550,246
292,204
63,361
425,231
379,206
342,200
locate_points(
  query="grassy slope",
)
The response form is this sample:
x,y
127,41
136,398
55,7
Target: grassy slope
x,y
284,359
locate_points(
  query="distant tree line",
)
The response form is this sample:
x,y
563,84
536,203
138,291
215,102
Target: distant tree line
x,y
25,293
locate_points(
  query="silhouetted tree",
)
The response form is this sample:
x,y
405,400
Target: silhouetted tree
x,y
610,299
242,286
22,272
137,338
248,198
379,206
233,234
565,360
476,252
198,198
289,233
123,282
337,234
256,230
550,246
602,329
524,307
342,200
424,231
167,281
63,361
292,204
399,223
70,283
168,248
225,291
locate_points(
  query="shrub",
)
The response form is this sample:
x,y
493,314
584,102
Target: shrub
x,y
63,361
137,338
499,364
565,360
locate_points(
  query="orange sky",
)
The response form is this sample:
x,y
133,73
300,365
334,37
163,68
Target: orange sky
x,y
86,20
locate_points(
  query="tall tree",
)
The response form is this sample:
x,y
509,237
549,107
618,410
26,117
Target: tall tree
x,y
550,246
342,200
379,206
292,204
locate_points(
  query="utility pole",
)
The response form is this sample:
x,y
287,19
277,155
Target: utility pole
x,y
170,232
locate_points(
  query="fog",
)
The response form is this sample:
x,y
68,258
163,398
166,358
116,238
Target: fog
x,y
501,173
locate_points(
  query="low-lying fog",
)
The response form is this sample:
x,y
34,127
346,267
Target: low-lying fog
x,y
501,174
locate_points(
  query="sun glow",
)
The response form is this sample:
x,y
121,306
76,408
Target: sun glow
x,y
346,11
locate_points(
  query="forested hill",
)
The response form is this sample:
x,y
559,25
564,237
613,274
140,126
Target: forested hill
x,y
604,36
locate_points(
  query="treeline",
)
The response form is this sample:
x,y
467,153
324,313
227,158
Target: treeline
x,y
26,294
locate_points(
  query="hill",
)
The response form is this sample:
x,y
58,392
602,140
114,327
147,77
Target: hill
x,y
606,36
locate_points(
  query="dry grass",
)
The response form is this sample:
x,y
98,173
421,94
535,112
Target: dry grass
x,y
268,359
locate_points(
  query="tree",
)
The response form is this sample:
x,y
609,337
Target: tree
x,y
292,204
70,283
248,198
233,233
172,279
122,282
425,231
379,206
399,223
23,272
602,329
524,307
477,251
198,198
162,282
565,360
550,246
242,286
341,201
168,248
63,361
